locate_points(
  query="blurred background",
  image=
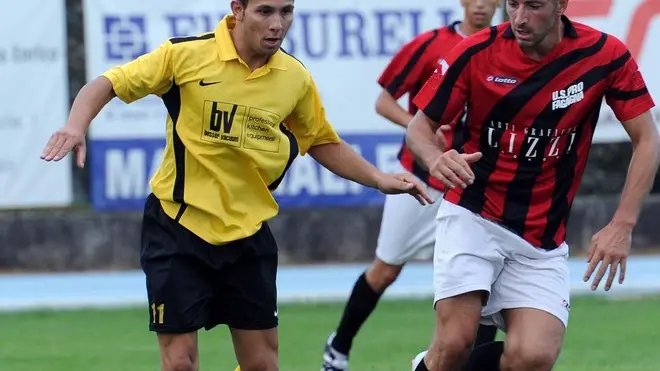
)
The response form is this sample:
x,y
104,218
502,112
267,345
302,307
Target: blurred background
x,y
69,237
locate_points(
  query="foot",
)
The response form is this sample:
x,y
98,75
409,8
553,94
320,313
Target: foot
x,y
332,359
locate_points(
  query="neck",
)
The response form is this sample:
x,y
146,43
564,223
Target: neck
x,y
468,28
252,59
545,46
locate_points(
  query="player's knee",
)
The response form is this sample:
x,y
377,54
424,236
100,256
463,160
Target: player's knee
x,y
522,357
381,275
265,361
178,352
180,363
453,348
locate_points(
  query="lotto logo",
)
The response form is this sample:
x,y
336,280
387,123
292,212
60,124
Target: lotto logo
x,y
125,37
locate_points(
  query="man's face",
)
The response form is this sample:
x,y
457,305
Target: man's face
x,y
265,24
532,20
480,12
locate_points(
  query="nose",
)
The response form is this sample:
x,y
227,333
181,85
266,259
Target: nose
x,y
519,17
276,23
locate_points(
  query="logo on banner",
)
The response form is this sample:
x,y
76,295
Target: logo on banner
x,y
126,37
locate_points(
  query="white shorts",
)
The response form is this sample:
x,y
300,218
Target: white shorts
x,y
472,254
407,229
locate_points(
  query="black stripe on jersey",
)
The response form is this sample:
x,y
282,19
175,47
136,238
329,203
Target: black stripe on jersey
x,y
292,56
505,110
293,153
565,171
172,100
617,94
176,40
438,103
519,191
400,79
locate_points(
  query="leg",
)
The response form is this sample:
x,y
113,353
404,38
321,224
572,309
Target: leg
x,y
363,300
178,352
457,320
406,232
256,350
532,295
247,302
177,288
464,267
533,341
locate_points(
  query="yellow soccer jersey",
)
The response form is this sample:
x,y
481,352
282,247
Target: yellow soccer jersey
x,y
231,133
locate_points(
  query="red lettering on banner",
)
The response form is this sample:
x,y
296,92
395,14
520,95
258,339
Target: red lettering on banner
x,y
639,24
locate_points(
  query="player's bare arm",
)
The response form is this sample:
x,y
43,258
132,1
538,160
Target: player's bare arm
x,y
611,245
341,159
426,142
87,104
390,109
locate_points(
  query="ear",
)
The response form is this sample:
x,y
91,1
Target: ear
x,y
237,9
561,6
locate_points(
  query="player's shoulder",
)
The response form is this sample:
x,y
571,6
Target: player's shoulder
x,y
292,66
479,42
592,37
196,42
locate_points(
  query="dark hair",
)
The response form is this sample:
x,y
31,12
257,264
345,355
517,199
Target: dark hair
x,y
243,2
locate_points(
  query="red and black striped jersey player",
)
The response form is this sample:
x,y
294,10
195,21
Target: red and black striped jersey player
x,y
534,88
407,230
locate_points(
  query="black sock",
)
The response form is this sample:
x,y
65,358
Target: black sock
x,y
421,366
361,303
485,357
485,334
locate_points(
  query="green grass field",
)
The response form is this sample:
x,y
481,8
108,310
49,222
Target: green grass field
x,y
603,336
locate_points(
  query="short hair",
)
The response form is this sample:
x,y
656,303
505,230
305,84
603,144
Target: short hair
x,y
243,2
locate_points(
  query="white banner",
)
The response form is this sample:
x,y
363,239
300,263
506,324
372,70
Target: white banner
x,y
344,43
33,92
637,24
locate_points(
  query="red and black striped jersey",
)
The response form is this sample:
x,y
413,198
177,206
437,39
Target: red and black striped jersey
x,y
408,71
533,121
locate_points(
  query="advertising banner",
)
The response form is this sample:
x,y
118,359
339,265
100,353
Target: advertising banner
x,y
34,94
345,44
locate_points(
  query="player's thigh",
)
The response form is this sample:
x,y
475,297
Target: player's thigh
x,y
465,258
256,349
246,294
178,281
407,229
531,278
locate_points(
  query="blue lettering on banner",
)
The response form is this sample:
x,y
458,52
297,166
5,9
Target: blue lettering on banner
x,y
125,37
314,35
121,170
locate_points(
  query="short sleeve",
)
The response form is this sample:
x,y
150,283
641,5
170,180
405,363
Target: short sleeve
x,y
308,121
150,73
627,93
407,66
445,93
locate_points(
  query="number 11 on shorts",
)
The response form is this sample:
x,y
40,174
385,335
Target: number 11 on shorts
x,y
157,313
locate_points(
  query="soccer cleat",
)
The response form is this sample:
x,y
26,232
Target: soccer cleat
x,y
332,359
416,361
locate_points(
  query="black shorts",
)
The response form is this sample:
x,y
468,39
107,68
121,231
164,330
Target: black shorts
x,y
192,284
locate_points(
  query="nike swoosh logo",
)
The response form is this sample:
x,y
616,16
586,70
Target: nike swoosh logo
x,y
202,83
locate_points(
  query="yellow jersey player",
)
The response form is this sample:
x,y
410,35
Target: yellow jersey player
x,y
240,109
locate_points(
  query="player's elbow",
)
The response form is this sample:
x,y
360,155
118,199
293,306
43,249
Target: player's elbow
x,y
382,102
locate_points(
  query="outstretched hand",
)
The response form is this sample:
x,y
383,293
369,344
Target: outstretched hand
x,y
64,141
404,183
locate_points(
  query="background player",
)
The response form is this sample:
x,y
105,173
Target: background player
x,y
207,251
534,90
407,230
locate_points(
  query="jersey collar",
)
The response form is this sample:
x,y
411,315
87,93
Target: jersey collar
x,y
227,50
569,29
